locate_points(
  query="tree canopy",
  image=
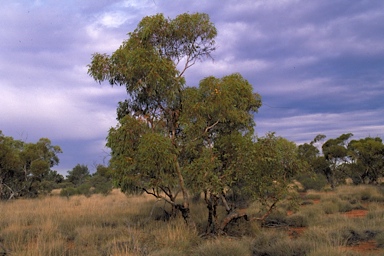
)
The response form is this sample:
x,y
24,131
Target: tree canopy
x,y
173,139
24,166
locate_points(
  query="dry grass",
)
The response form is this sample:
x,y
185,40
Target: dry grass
x,y
121,225
96,225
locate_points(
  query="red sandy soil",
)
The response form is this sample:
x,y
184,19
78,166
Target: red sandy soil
x,y
316,201
356,213
363,247
295,232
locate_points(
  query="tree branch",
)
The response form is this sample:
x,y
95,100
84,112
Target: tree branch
x,y
210,127
159,197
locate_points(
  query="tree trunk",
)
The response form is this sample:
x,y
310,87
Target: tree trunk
x,y
184,208
212,202
233,215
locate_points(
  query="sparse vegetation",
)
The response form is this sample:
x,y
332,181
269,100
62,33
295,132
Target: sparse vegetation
x,y
121,225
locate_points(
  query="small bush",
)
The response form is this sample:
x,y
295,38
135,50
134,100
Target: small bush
x,y
297,220
350,235
366,194
315,181
312,196
330,207
371,194
278,244
345,206
241,227
378,214
312,214
275,219
379,238
69,191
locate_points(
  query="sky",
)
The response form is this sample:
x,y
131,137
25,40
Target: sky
x,y
318,65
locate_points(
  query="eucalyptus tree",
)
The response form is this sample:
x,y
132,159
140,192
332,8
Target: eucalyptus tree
x,y
319,167
217,130
266,169
336,153
172,139
368,159
24,166
147,64
78,175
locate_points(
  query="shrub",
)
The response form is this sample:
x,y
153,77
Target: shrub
x,y
378,214
241,227
379,238
315,181
366,194
372,194
275,219
279,244
69,191
330,207
297,220
312,196
345,206
350,235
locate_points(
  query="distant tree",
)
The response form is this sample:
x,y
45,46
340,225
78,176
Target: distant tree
x,y
24,166
336,153
52,180
80,182
319,167
54,176
367,159
101,180
78,175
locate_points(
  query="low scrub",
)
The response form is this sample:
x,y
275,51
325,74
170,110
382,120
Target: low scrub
x,y
279,244
121,225
312,182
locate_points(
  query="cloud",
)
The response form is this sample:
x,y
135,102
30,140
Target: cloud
x,y
304,127
58,114
318,65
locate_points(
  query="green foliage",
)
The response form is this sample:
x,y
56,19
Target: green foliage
x,y
25,168
275,164
80,182
101,181
312,181
368,156
69,191
78,175
361,160
146,64
172,138
336,153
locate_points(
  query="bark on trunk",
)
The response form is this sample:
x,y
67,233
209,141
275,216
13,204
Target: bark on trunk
x,y
212,203
185,207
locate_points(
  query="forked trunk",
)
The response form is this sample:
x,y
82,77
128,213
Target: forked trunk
x,y
212,202
184,208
